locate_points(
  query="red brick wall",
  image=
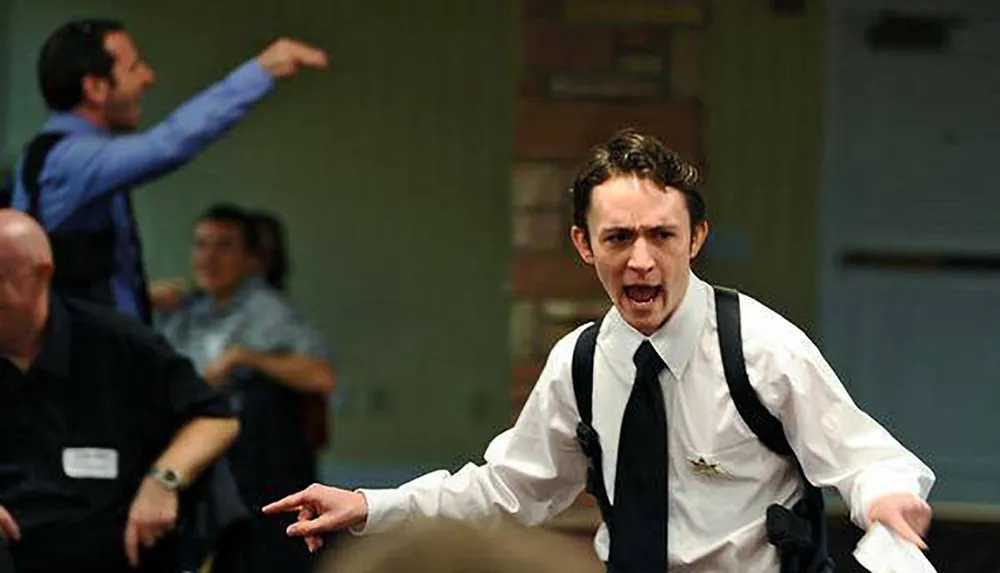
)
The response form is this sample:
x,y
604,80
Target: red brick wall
x,y
588,68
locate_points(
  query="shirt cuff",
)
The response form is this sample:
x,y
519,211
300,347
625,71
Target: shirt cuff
x,y
386,510
879,483
253,78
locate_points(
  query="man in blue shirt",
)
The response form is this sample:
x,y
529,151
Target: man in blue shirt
x,y
76,176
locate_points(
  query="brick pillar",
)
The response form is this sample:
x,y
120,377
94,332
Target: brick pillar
x,y
588,68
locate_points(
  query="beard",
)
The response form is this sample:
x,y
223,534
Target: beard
x,y
123,116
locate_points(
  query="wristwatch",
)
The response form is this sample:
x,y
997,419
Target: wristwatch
x,y
167,478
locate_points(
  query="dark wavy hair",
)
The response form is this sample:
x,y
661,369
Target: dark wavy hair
x,y
71,52
630,152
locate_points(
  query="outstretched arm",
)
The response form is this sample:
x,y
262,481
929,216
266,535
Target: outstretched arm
x,y
531,472
841,446
87,166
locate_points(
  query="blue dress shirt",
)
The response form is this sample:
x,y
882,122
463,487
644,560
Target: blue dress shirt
x,y
85,178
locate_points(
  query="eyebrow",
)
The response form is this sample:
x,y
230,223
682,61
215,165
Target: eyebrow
x,y
641,228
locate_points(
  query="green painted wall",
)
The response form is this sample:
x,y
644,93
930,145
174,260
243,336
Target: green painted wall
x,y
4,65
392,171
393,168
764,78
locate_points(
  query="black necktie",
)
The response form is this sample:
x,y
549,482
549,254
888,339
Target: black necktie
x,y
639,519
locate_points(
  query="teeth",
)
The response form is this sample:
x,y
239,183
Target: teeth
x,y
641,294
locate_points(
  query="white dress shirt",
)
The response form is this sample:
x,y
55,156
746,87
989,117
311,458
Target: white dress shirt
x,y
536,469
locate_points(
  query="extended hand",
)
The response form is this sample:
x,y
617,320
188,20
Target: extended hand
x,y
166,294
153,513
219,370
321,509
906,514
285,57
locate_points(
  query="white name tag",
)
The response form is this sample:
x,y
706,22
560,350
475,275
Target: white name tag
x,y
94,463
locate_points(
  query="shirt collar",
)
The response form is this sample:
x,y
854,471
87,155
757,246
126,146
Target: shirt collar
x,y
204,304
69,122
675,341
250,285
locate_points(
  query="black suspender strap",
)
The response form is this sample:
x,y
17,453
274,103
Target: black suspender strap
x,y
583,371
589,440
800,533
31,168
761,422
85,260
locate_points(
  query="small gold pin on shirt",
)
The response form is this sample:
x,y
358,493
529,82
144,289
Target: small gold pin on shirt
x,y
707,469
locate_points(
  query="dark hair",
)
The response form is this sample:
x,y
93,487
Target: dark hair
x,y
629,152
276,272
232,214
74,50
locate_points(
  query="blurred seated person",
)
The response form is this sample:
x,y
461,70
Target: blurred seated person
x,y
245,337
273,265
104,428
270,261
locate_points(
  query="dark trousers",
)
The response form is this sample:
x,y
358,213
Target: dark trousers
x,y
260,545
6,561
86,551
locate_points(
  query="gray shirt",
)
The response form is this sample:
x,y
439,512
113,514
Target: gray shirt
x,y
257,318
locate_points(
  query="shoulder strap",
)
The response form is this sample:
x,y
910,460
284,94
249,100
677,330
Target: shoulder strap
x,y
35,154
586,435
767,428
583,371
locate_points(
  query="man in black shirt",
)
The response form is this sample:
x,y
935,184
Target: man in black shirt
x,y
102,425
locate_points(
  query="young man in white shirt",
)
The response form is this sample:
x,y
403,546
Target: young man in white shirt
x,y
639,220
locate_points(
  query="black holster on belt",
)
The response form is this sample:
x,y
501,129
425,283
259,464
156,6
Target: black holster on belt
x,y
799,534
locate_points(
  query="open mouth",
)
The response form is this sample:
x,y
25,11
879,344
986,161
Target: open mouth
x,y
642,294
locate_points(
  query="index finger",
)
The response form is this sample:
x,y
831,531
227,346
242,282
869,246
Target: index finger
x,y
132,544
290,503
